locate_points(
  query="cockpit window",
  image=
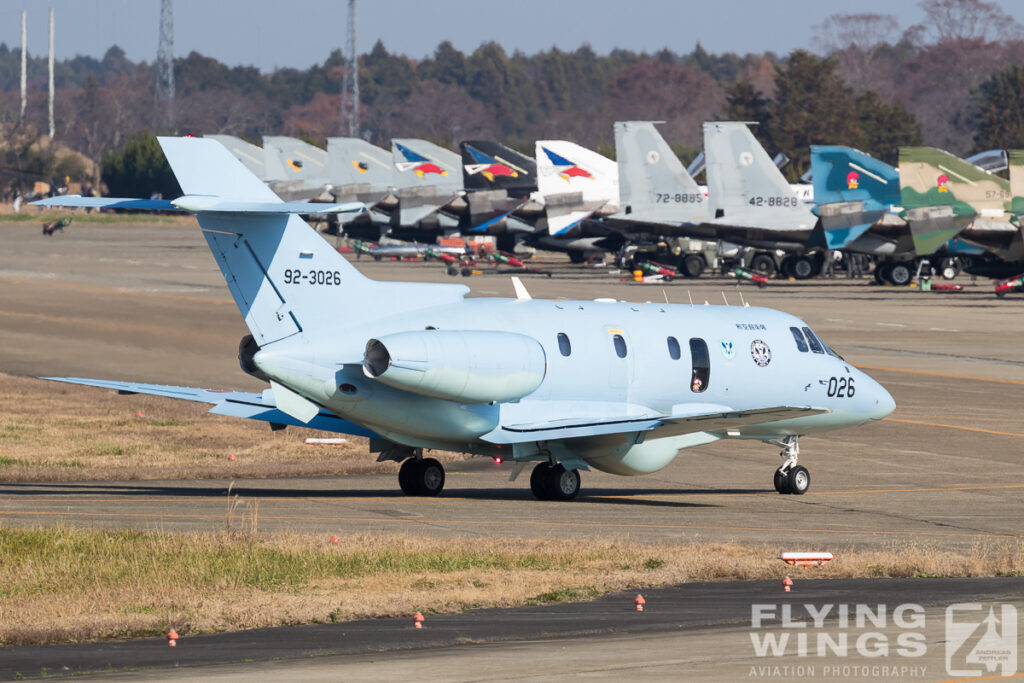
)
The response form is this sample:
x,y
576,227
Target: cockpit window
x,y
813,341
812,338
798,336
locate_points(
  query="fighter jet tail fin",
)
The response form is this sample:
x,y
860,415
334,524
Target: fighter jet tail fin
x,y
844,174
741,175
651,177
490,165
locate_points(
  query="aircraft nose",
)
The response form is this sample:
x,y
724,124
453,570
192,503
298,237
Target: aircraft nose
x,y
880,402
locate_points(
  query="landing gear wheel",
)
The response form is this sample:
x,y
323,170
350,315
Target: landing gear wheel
x,y
563,484
539,481
786,267
466,272
803,268
577,256
692,266
408,474
421,477
882,273
763,264
798,480
453,271
781,485
900,274
431,479
950,268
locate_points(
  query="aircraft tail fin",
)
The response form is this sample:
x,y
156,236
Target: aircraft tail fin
x,y
276,267
933,177
490,165
844,174
1015,163
740,173
287,159
354,161
651,177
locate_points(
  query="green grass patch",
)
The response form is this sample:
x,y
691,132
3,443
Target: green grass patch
x,y
565,595
10,462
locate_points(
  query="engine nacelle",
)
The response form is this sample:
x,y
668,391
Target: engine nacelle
x,y
461,366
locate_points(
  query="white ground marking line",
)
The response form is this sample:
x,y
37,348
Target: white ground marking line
x,y
890,324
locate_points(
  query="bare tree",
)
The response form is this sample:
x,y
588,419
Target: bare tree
x,y
968,19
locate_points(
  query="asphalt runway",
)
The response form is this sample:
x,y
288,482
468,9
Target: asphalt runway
x,y
146,303
699,631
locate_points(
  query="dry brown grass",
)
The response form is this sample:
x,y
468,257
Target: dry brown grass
x,y
64,432
72,585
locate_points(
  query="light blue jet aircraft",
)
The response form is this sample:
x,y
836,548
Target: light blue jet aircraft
x,y
570,385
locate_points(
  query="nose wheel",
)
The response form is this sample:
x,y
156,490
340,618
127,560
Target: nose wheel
x,y
791,478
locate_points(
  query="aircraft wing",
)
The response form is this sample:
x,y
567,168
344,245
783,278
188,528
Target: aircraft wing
x,y
658,426
260,407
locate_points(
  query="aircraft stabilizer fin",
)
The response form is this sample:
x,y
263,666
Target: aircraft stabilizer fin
x,y
261,407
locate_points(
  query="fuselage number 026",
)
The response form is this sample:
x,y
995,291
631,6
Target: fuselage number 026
x,y
841,387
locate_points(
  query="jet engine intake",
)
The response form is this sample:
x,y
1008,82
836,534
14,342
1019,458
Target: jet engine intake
x,y
456,365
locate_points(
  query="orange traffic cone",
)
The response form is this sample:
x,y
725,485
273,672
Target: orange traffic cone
x,y
417,620
232,457
640,602
334,539
787,584
172,638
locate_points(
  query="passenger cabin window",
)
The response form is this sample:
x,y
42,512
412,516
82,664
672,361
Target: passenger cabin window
x,y
673,348
563,344
801,343
813,341
620,345
701,365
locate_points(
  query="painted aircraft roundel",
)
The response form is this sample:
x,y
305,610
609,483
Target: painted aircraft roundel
x,y
760,352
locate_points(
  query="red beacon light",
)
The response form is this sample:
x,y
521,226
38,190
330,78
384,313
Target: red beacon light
x,y
806,559
497,460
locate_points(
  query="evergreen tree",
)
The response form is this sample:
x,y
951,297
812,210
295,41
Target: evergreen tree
x,y
999,117
139,170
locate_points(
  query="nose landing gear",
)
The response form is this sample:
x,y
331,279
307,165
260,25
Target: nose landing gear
x,y
790,477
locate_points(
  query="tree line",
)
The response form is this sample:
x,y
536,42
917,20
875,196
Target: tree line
x,y
953,81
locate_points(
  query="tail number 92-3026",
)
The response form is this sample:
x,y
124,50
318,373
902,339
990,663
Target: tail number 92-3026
x,y
295,276
841,387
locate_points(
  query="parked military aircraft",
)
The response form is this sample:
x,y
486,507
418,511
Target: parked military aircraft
x,y
930,177
567,385
853,189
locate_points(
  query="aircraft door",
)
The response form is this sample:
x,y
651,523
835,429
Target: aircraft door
x,y
617,348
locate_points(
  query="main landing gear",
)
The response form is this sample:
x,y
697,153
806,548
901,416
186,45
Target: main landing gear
x,y
791,478
418,476
554,482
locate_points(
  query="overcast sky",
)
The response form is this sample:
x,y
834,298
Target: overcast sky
x,y
299,33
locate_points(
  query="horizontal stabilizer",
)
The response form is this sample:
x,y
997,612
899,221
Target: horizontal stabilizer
x,y
77,201
200,203
561,224
260,407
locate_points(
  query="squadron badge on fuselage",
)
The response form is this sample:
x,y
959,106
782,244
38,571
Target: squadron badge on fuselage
x,y
760,352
